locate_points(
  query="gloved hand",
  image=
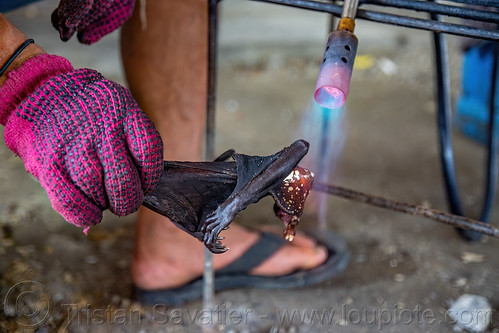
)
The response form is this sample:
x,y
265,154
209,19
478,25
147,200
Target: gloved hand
x,y
93,19
82,136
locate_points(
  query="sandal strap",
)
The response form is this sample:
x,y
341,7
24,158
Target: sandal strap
x,y
265,247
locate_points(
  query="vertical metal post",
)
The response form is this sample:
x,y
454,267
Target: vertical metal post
x,y
350,9
208,275
444,119
212,78
332,22
493,143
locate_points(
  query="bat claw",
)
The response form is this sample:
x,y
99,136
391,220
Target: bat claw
x,y
217,247
222,249
214,223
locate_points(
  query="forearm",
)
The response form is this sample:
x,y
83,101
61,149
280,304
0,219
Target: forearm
x,y
10,39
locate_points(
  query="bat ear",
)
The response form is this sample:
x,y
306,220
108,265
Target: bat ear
x,y
225,156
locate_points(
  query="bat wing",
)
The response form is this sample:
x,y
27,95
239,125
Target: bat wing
x,y
188,191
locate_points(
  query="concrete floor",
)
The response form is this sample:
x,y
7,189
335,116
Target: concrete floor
x,y
405,271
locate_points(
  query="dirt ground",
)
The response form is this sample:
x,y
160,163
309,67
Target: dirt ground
x,y
404,271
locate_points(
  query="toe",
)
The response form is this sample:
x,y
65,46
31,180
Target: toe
x,y
290,258
317,257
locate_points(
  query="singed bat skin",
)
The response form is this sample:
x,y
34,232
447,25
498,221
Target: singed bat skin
x,y
203,198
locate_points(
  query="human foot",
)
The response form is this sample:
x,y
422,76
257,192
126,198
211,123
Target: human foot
x,y
167,257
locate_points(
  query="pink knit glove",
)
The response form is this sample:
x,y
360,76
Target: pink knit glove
x,y
93,19
83,137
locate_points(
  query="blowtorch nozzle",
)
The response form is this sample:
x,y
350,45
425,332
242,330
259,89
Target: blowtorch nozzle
x,y
333,83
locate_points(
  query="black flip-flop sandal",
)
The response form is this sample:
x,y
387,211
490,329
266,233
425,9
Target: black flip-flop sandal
x,y
236,274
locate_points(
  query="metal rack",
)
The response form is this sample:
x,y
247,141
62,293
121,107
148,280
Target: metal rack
x,y
452,9
467,18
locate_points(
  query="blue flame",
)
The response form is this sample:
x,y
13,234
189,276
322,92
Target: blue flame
x,y
325,130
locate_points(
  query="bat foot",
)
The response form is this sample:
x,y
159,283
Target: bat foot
x,y
215,223
217,247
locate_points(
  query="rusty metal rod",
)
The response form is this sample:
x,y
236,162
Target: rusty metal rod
x,y
454,220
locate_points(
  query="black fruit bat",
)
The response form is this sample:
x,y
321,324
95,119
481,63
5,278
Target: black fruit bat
x,y
203,198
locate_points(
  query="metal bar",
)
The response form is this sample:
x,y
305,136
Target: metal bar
x,y
209,273
350,9
208,281
444,125
454,220
436,8
307,4
430,25
492,165
212,78
486,3
444,118
404,21
332,23
444,121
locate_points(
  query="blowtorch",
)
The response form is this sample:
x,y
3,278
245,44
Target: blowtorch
x,y
333,83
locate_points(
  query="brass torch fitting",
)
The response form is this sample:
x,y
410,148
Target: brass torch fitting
x,y
347,24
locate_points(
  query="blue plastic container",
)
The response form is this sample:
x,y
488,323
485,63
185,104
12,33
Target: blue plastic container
x,y
472,116
6,5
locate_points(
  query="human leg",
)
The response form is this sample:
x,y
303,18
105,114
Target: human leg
x,y
166,67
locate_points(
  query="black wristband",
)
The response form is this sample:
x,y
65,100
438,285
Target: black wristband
x,y
14,56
